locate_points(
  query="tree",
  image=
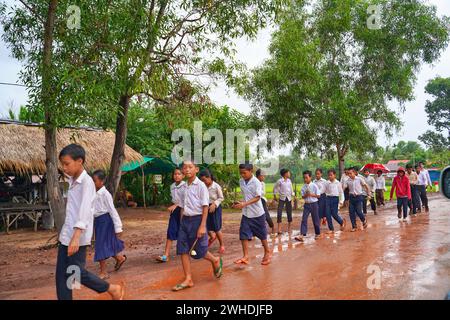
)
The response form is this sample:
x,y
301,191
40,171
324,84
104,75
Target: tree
x,y
329,78
438,112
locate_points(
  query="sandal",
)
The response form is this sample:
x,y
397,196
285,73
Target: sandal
x,y
181,286
267,261
162,258
218,271
241,261
119,264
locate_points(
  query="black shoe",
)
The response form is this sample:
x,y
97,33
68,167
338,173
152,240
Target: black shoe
x,y
399,215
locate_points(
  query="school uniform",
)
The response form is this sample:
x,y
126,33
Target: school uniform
x,y
370,181
311,206
283,187
414,203
355,188
380,188
403,192
214,220
424,180
196,196
107,224
79,214
323,197
264,203
177,194
253,222
334,194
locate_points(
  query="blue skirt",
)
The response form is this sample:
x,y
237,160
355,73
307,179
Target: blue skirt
x,y
214,220
106,242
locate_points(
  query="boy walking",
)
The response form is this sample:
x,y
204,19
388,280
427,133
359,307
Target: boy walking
x,y
192,237
76,233
413,178
311,194
380,188
423,182
335,196
253,221
370,181
283,187
355,186
321,183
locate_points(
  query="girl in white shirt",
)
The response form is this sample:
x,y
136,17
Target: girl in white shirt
x,y
108,227
214,220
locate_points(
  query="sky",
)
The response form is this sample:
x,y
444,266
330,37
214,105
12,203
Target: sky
x,y
253,54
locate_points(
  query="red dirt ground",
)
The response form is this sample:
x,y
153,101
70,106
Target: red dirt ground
x,y
413,257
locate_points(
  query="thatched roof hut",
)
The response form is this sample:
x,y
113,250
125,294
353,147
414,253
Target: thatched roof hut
x,y
22,147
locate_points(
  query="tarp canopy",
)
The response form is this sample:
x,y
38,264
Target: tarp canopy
x,y
150,165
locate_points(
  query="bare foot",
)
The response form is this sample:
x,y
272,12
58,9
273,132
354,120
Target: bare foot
x,y
266,259
243,260
117,291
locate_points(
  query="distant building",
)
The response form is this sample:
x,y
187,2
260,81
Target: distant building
x,y
393,166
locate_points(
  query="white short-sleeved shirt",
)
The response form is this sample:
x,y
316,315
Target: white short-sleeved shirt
x,y
424,178
284,188
215,193
103,203
79,212
251,189
263,194
370,181
196,196
177,193
334,189
380,183
321,184
312,188
355,186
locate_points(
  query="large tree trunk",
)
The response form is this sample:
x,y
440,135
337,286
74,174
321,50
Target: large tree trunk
x,y
341,152
118,156
51,159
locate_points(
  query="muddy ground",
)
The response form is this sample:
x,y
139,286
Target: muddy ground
x,y
413,259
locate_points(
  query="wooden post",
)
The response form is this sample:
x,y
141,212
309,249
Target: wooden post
x,y
143,186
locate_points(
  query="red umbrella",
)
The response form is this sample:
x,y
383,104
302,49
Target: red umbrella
x,y
374,167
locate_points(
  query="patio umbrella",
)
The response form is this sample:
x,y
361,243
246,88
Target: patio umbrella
x,y
374,167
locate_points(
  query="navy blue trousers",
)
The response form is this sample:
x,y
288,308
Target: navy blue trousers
x,y
355,209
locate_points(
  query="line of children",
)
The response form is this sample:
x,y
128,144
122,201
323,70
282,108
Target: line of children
x,y
402,189
108,227
283,188
76,234
261,176
214,221
177,191
253,221
335,197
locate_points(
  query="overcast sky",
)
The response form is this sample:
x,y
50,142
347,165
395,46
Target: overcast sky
x,y
254,53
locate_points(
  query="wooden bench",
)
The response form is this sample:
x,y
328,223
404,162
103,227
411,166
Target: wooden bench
x,y
12,212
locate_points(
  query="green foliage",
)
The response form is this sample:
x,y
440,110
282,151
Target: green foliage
x,y
329,78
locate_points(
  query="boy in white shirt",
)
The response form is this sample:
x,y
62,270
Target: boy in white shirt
x,y
76,233
370,181
192,235
253,221
283,187
355,186
335,196
380,188
321,183
261,176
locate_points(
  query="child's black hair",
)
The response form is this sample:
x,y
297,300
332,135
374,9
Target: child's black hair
x,y
206,173
320,170
259,173
100,174
246,166
307,172
175,169
283,171
366,169
380,171
409,166
332,171
75,151
355,168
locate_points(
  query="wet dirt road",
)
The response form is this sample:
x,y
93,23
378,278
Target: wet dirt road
x,y
388,260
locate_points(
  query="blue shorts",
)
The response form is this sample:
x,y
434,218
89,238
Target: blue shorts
x,y
174,224
188,234
253,227
214,221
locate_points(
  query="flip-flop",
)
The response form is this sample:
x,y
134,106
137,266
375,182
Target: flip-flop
x,y
162,258
218,271
119,264
181,286
211,241
241,261
266,261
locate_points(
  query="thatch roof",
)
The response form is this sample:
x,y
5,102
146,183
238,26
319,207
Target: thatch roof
x,y
22,147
